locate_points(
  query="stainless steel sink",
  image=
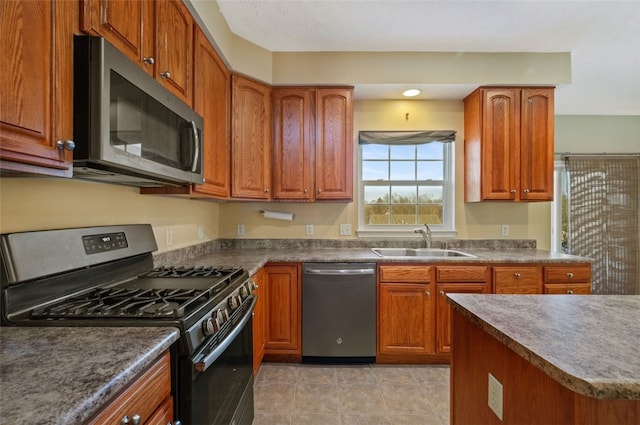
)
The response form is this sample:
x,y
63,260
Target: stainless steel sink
x,y
420,252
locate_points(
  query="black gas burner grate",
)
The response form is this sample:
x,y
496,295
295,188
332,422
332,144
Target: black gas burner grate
x,y
127,303
199,271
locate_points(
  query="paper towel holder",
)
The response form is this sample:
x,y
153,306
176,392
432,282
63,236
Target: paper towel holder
x,y
276,215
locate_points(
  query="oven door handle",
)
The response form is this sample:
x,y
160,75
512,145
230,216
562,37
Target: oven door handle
x,y
202,364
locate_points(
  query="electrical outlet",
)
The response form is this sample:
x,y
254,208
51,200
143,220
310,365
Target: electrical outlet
x,y
169,237
505,230
240,229
200,232
345,229
495,396
309,229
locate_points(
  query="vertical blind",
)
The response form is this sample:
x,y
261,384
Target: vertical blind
x,y
603,205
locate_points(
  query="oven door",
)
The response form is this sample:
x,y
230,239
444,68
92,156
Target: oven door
x,y
216,383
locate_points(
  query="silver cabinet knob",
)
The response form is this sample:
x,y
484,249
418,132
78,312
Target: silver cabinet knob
x,y
166,75
319,190
148,60
442,293
266,191
68,145
135,419
428,293
125,420
305,191
516,275
569,291
526,191
569,275
513,191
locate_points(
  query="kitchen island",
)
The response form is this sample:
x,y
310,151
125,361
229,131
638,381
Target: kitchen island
x,y
65,375
556,359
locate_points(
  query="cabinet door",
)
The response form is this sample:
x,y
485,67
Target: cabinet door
x,y
405,319
128,25
251,139
292,143
334,147
174,48
212,100
443,311
163,414
282,308
501,143
259,337
537,144
35,111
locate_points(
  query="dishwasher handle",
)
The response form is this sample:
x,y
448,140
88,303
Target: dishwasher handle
x,y
340,272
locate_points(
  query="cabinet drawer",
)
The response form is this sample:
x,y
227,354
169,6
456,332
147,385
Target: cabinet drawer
x,y
567,274
515,275
516,287
567,288
404,273
461,274
142,397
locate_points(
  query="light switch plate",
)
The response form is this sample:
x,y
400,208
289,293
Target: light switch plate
x,y
240,229
345,229
309,229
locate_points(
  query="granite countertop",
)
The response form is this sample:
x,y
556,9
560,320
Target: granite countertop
x,y
587,343
63,376
252,259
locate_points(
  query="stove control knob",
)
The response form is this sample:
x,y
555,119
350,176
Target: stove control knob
x,y
244,292
252,285
209,326
221,316
234,302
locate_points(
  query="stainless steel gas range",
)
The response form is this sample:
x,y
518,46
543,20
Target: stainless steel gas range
x,y
104,276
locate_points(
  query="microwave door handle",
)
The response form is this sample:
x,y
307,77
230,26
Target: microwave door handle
x,y
196,147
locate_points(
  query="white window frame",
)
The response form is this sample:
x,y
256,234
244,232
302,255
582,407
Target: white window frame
x,y
556,206
444,230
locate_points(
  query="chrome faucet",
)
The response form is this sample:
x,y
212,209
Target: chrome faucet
x,y
426,234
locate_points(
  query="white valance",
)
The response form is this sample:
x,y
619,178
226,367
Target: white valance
x,y
406,137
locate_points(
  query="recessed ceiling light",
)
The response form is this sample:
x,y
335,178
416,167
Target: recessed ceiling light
x,y
411,92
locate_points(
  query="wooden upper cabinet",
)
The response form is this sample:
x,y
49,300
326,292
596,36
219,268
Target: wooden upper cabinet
x,y
334,147
155,34
128,25
174,48
212,100
36,104
509,144
292,143
251,139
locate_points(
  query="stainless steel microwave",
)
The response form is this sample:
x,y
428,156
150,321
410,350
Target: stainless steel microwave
x,y
128,128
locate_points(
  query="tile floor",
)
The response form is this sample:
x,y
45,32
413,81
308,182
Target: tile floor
x,y
300,394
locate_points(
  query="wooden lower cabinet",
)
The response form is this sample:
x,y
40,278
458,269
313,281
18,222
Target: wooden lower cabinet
x,y
149,397
443,315
567,279
283,298
259,319
406,314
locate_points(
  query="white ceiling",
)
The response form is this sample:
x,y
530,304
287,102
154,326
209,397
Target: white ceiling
x,y
602,36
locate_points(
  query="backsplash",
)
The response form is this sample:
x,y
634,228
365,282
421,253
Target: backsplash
x,y
179,256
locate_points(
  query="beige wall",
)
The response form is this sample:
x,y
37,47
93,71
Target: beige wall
x,y
49,203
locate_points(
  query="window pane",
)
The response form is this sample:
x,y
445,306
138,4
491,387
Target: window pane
x,y
403,195
430,194
376,214
376,194
433,150
403,152
375,170
375,152
403,214
403,170
430,214
431,170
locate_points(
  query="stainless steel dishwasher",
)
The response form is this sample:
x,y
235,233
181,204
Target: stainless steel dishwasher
x,y
338,312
